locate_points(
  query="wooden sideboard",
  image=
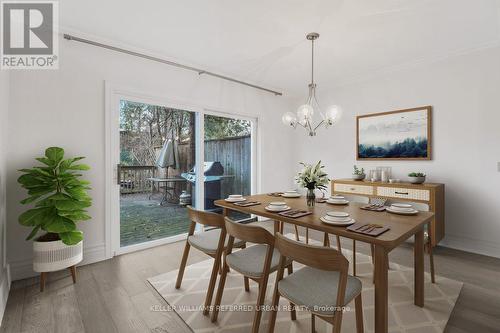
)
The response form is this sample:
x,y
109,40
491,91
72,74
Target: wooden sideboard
x,y
431,194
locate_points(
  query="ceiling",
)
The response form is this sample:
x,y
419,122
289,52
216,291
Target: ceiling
x,y
263,41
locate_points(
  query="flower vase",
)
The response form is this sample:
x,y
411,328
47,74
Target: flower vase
x,y
311,197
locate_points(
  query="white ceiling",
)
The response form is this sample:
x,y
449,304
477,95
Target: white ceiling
x,y
263,41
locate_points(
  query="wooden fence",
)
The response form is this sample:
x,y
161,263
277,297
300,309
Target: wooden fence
x,y
233,153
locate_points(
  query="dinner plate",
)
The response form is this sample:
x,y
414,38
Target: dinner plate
x,y
352,221
279,209
413,212
235,200
291,195
337,214
338,202
401,205
404,210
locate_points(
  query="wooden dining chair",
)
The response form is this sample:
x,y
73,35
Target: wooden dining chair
x,y
255,262
323,286
211,242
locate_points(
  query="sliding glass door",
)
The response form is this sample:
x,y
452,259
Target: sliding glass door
x,y
156,171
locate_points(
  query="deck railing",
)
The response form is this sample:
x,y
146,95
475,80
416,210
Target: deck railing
x,y
133,178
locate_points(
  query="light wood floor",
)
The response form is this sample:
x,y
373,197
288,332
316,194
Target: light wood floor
x,y
113,295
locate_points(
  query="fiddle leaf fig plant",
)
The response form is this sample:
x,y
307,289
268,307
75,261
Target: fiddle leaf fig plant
x,y
59,196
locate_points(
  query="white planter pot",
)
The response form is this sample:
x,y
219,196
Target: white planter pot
x,y
55,255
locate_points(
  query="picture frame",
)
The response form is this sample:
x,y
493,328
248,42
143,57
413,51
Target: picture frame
x,y
395,135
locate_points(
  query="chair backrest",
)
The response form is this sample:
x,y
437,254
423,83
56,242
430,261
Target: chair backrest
x,y
324,258
249,233
205,218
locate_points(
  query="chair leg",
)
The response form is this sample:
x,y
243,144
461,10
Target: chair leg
x,y
293,313
211,284
274,309
372,249
353,257
359,314
220,290
339,245
247,284
297,238
337,322
260,303
313,323
183,266
307,235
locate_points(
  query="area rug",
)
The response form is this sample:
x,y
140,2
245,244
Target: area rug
x,y
404,316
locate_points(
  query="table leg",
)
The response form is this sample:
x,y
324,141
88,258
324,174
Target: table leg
x,y
152,190
419,268
381,290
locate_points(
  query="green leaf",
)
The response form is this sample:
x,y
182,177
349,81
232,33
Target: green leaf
x,y
30,199
40,191
59,224
55,154
30,180
71,238
71,205
79,167
33,216
78,216
45,161
59,196
33,232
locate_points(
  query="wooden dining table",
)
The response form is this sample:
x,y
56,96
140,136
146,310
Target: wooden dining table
x,y
401,228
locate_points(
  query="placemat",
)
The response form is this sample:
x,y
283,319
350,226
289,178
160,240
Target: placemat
x,y
295,213
247,203
365,229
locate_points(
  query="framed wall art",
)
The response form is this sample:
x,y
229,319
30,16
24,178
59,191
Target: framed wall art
x,y
395,135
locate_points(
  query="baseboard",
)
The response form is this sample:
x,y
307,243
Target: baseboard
x,y
4,291
466,244
22,269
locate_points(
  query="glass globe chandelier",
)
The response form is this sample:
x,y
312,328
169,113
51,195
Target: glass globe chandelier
x,y
305,112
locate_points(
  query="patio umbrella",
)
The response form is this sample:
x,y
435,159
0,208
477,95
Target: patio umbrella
x,y
169,156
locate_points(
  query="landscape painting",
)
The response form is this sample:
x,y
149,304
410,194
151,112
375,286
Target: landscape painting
x,y
402,134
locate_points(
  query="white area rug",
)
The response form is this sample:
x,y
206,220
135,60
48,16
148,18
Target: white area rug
x,y
404,316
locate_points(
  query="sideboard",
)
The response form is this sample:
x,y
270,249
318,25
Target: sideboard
x,y
431,194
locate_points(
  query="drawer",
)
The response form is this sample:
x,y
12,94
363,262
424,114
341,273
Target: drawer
x,y
403,193
354,189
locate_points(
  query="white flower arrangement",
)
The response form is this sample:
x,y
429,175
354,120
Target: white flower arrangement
x,y
312,177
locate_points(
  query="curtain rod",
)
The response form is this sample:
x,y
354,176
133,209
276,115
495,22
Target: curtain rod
x,y
167,62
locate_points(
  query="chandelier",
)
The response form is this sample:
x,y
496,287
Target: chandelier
x,y
305,112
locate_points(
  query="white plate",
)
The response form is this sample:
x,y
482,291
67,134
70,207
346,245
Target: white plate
x,y
337,202
235,200
285,195
279,209
337,214
336,219
338,197
401,205
404,210
352,221
413,212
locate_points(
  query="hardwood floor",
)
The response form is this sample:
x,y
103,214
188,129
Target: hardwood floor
x,y
113,295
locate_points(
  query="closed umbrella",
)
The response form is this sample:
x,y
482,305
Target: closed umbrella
x,y
169,155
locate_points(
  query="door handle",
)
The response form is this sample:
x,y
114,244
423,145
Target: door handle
x,y
118,174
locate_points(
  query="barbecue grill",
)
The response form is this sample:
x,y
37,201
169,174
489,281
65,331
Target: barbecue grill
x,y
212,172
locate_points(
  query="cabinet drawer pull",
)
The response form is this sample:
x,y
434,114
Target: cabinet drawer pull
x,y
353,189
404,193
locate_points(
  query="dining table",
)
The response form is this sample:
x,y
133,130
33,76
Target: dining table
x,y
401,228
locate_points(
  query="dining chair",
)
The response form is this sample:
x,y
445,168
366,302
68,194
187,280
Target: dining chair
x,y
211,242
255,262
323,286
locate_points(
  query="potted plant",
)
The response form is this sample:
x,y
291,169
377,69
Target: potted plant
x,y
60,200
312,177
416,177
358,174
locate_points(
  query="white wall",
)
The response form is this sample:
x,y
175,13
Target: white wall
x,y
4,105
464,92
65,107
